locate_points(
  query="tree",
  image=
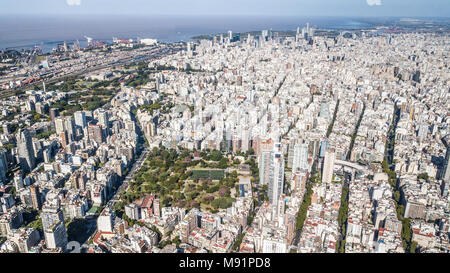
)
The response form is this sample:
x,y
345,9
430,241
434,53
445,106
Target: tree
x,y
406,233
238,241
215,155
223,203
223,163
413,247
176,241
397,196
400,211
423,176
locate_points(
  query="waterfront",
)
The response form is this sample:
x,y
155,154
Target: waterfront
x,y
27,31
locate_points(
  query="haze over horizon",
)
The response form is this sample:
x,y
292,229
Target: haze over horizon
x,y
347,8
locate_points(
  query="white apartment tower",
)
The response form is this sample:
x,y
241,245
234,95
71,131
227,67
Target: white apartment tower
x,y
328,165
276,174
80,119
300,160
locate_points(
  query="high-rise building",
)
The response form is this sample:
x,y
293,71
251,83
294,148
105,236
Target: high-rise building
x,y
189,49
40,108
264,34
35,197
189,223
53,114
53,223
264,166
328,165
6,128
25,150
18,181
80,119
446,169
324,110
56,236
132,211
3,165
64,139
105,222
276,175
51,212
300,160
156,208
60,125
103,118
70,128
150,129
95,133
323,148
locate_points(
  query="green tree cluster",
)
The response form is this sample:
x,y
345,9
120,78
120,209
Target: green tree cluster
x,y
330,127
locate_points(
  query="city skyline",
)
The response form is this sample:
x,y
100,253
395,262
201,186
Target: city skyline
x,y
263,133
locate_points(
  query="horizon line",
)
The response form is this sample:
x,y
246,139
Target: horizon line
x,y
229,15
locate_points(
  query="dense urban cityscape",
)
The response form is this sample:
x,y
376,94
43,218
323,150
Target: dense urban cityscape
x,y
308,141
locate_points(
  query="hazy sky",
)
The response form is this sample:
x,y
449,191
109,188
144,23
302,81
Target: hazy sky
x,y
440,8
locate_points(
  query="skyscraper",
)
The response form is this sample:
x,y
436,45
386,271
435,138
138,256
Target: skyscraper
x,y
60,125
328,165
69,125
323,148
80,119
64,139
51,212
53,223
276,174
446,169
35,197
56,236
105,222
3,165
189,48
95,133
324,110
103,118
18,181
264,167
54,113
300,160
25,150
